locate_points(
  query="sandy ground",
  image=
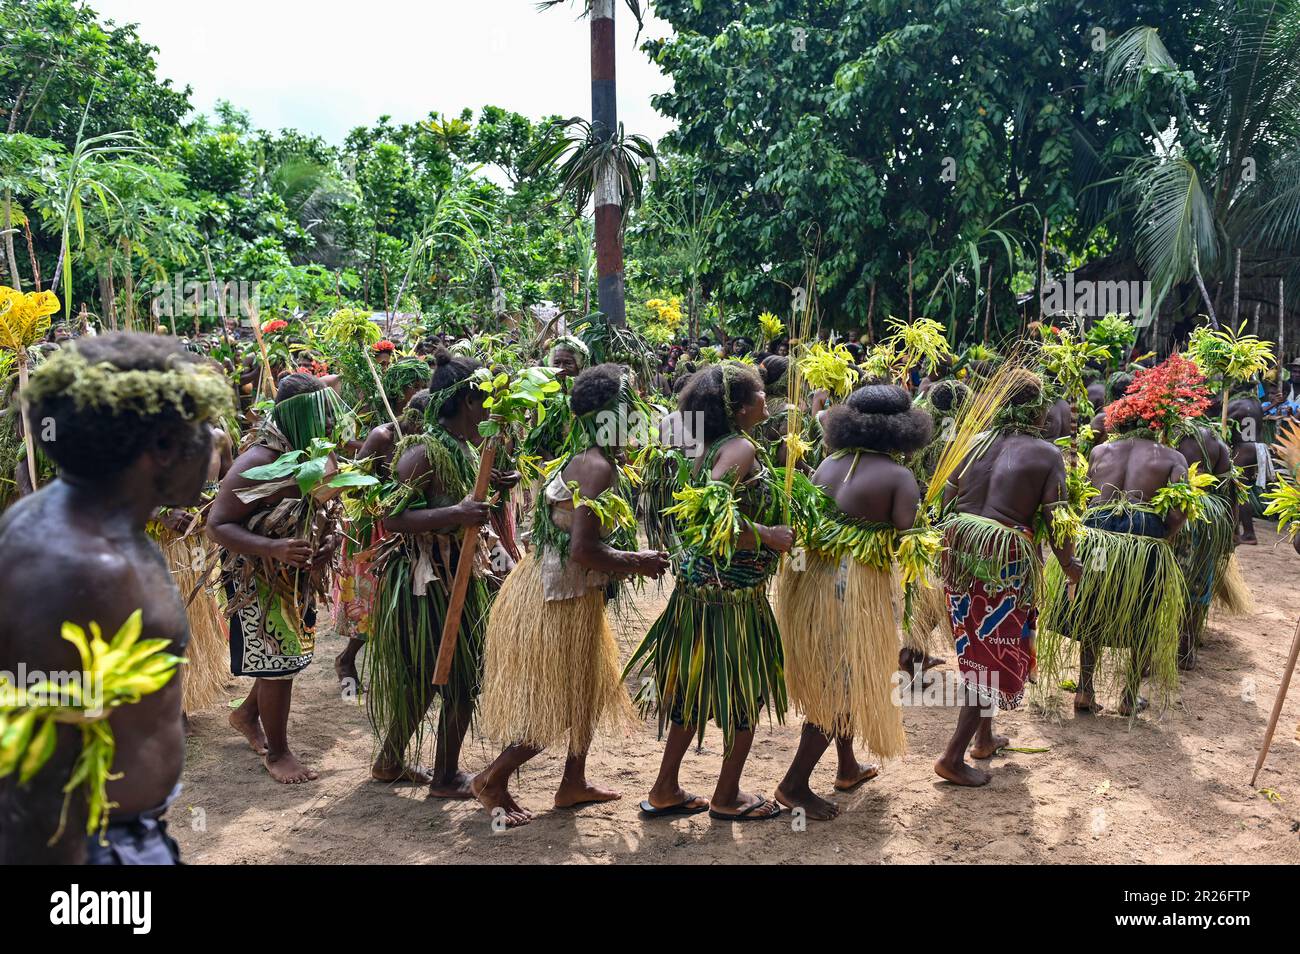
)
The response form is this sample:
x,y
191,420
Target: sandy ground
x,y
1173,790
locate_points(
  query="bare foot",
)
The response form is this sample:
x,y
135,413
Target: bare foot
x,y
961,774
572,796
416,774
250,727
989,748
816,808
287,770
454,786
848,781
187,725
1086,703
1247,541
498,802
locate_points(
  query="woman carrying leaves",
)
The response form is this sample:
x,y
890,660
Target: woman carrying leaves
x,y
835,600
130,417
715,651
279,528
1128,608
428,513
551,670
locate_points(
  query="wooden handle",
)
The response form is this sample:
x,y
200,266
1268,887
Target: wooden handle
x,y
1277,704
464,570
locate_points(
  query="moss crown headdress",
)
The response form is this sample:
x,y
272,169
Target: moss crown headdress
x,y
574,346
195,391
1025,415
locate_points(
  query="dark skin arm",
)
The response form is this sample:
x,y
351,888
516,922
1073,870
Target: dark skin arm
x,y
228,514
413,469
737,457
594,475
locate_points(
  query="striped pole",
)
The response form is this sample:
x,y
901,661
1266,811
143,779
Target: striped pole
x,y
607,195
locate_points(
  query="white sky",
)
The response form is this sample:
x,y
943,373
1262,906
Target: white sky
x,y
326,66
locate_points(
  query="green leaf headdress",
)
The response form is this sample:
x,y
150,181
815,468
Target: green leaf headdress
x,y
316,415
575,346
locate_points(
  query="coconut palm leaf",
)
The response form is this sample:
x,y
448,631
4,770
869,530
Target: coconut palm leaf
x,y
1174,227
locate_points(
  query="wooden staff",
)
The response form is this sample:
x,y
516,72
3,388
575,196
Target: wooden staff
x,y
464,570
1277,704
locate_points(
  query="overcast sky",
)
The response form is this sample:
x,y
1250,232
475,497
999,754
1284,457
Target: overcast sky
x,y
326,66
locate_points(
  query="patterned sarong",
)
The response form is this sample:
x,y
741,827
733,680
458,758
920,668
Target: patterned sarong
x,y
993,628
266,640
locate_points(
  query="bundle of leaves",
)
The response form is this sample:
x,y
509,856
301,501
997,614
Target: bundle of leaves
x,y
1116,335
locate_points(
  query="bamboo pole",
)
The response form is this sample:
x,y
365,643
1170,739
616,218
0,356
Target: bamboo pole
x,y
27,421
1277,704
464,570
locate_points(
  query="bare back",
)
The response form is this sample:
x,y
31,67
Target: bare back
x,y
870,487
1010,481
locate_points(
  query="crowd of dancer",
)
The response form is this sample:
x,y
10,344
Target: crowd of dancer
x,y
826,548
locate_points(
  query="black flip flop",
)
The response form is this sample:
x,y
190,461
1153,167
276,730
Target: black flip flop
x,y
748,814
680,809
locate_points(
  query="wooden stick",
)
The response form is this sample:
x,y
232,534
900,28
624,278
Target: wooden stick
x,y
1277,704
464,570
27,420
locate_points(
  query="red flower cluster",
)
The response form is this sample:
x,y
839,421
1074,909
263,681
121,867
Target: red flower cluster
x,y
271,327
317,369
384,346
1161,396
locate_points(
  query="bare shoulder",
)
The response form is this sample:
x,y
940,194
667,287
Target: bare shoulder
x,y
592,470
255,456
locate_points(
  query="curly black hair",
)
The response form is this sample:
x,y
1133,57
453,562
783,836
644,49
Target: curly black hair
x,y
449,369
92,442
947,395
595,388
704,396
877,417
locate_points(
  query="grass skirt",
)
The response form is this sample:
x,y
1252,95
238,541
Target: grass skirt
x,y
203,677
839,630
931,629
401,653
1128,608
1203,549
551,668
1232,595
715,650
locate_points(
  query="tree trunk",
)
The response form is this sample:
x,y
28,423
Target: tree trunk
x,y
610,293
1200,283
128,281
10,256
1236,289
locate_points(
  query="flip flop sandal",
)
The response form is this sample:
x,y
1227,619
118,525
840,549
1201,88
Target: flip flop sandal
x,y
680,809
748,814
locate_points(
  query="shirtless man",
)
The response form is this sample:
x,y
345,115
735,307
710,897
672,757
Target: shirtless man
x,y
1015,479
1246,420
1203,448
1132,468
85,533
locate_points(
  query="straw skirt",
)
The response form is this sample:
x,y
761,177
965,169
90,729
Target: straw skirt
x,y
551,667
838,622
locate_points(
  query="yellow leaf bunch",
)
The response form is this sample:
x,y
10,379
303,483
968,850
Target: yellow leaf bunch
x,y
25,317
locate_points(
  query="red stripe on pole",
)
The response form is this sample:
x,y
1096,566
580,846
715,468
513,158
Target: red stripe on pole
x,y
602,49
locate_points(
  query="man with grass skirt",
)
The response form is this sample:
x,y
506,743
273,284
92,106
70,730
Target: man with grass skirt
x,y
128,425
1011,482
279,545
427,514
1128,609
1205,546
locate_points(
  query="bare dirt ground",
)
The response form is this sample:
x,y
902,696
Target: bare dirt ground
x,y
1172,790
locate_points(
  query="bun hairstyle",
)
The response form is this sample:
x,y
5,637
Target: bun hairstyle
x,y
947,396
596,388
448,371
715,392
877,417
773,369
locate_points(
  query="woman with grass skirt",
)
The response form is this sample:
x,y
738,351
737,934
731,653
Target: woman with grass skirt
x,y
836,601
1128,608
551,668
428,513
991,566
715,651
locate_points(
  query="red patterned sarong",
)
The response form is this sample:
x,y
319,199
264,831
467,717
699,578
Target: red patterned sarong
x,y
354,591
994,629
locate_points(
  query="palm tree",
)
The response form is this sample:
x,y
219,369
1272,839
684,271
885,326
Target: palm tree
x,y
605,128
1224,173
